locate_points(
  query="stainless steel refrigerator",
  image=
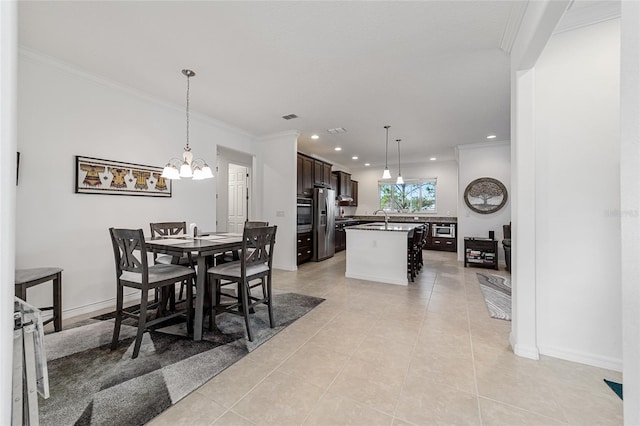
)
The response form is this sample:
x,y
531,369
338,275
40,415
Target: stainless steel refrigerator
x,y
323,224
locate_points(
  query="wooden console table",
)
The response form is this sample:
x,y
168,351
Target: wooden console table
x,y
481,252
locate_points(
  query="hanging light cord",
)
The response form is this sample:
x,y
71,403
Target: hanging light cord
x,y
188,77
386,151
399,172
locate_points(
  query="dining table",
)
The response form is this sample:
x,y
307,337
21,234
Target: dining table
x,y
204,246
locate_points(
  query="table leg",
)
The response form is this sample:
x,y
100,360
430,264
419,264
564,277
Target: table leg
x,y
200,290
57,302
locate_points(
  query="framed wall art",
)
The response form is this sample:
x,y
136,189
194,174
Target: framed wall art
x,y
96,176
485,195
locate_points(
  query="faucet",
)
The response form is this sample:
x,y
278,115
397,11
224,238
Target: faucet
x,y
386,217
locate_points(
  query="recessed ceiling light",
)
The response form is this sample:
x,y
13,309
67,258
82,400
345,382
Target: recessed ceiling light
x,y
367,164
433,158
337,148
491,137
315,137
355,157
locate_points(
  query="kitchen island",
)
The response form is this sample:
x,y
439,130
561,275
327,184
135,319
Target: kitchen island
x,y
378,252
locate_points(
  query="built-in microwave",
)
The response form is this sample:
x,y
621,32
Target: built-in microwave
x,y
304,208
444,230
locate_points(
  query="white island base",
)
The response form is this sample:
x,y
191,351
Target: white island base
x,y
378,254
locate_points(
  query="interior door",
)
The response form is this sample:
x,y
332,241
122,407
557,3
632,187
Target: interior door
x,y
238,197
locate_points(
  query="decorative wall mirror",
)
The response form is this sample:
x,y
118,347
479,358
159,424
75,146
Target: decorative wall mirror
x,y
485,195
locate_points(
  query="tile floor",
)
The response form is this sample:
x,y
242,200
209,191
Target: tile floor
x,y
377,354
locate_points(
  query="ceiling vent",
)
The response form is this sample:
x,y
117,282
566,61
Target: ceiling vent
x,y
337,130
289,116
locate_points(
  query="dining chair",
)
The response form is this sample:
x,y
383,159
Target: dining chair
x,y
167,229
234,255
414,246
25,278
134,271
254,265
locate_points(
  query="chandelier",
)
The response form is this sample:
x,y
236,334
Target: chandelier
x,y
196,169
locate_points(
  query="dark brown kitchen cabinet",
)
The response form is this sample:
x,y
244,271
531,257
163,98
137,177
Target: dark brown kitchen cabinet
x,y
326,167
305,176
304,246
344,184
334,182
340,238
321,174
354,193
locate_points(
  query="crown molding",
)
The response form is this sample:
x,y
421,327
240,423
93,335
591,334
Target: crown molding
x,y
41,58
584,13
512,28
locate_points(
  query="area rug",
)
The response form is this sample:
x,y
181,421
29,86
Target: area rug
x,y
615,386
92,385
496,290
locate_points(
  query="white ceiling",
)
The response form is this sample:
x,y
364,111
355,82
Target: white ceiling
x,y
433,70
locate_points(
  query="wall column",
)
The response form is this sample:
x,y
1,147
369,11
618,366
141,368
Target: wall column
x,y
8,148
630,206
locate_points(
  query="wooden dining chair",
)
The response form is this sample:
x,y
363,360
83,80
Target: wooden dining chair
x,y
234,255
167,229
133,270
254,265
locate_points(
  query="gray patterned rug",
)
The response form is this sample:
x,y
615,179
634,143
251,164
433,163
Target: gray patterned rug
x,y
496,290
92,385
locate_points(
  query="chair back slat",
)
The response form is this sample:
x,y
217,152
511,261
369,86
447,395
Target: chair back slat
x,y
255,224
257,245
165,229
129,251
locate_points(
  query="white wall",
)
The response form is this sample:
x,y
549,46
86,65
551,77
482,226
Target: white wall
x,y
8,127
578,196
278,171
446,191
489,159
64,112
630,204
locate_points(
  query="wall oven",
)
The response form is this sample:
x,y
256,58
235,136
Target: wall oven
x,y
444,230
304,209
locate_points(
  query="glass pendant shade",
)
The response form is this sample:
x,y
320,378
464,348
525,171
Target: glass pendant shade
x,y
386,174
185,170
399,181
170,172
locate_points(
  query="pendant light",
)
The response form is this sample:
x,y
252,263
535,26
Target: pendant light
x,y
399,181
386,174
196,169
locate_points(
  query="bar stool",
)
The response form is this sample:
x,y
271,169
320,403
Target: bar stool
x,y
26,278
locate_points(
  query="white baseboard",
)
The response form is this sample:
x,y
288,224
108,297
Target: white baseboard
x,y
608,363
530,352
98,306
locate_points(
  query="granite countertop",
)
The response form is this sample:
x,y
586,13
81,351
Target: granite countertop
x,y
409,218
380,226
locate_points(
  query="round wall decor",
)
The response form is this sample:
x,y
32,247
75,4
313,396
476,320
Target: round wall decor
x,y
485,195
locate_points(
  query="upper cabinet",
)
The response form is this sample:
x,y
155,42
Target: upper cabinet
x,y
354,193
344,184
321,174
311,173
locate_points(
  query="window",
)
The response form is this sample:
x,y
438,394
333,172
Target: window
x,y
413,196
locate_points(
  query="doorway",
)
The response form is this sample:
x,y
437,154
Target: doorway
x,y
238,200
